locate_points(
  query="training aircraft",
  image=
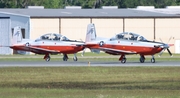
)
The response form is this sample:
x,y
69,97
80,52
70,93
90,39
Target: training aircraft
x,y
123,44
47,44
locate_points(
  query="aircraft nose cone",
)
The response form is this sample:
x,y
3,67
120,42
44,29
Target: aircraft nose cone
x,y
165,46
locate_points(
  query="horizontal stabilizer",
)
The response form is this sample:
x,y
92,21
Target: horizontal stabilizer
x,y
95,51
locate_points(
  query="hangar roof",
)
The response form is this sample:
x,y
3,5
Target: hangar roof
x,y
86,13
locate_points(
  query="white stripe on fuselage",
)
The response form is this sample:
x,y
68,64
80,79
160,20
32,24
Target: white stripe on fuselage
x,y
52,43
132,43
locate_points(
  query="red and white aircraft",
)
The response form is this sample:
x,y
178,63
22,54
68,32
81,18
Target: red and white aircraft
x,y
123,44
47,44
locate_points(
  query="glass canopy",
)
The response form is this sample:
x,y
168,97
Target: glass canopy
x,y
129,36
54,37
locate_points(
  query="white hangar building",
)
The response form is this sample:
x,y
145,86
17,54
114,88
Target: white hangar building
x,y
153,24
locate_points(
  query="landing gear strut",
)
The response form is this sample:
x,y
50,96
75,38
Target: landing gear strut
x,y
47,58
65,57
122,59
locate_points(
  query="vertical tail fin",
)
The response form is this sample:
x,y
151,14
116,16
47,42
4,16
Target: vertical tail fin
x,y
17,35
91,35
91,32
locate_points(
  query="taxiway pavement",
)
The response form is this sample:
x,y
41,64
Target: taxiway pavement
x,y
84,63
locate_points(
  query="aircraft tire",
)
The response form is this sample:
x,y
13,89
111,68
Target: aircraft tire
x,y
64,59
123,60
48,58
141,60
75,58
153,60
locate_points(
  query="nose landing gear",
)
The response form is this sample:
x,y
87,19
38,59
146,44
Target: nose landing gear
x,y
153,59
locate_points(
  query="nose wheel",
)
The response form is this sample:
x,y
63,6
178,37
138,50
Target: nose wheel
x,y
153,59
75,57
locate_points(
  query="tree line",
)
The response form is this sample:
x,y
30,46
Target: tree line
x,y
92,4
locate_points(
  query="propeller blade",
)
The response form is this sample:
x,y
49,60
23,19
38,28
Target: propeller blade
x,y
160,40
169,39
169,52
161,52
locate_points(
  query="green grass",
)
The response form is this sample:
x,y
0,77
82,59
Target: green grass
x,y
89,82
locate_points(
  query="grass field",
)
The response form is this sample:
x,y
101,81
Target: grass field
x,y
90,82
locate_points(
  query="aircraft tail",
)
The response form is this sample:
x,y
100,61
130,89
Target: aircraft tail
x,y
91,36
91,33
17,35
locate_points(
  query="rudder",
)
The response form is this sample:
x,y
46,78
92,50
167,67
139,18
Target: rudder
x,y
91,33
17,35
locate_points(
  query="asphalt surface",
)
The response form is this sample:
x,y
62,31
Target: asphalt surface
x,y
84,63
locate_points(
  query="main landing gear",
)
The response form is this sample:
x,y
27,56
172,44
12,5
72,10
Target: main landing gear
x,y
141,59
65,57
122,59
47,58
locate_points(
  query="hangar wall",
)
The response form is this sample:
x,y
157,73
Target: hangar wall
x,y
40,26
23,22
14,20
18,20
5,35
74,28
108,27
144,26
167,28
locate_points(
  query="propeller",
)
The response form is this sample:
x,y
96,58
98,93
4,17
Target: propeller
x,y
169,52
166,47
163,52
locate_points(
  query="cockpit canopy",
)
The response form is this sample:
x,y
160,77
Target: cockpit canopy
x,y
54,37
129,36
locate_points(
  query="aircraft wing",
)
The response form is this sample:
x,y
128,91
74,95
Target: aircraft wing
x,y
41,50
116,51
